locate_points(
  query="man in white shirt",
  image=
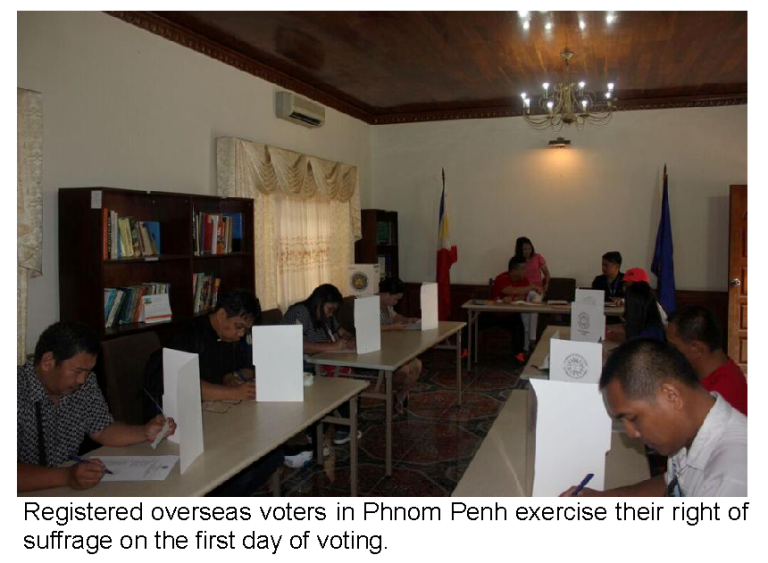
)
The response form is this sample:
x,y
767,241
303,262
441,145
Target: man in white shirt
x,y
654,391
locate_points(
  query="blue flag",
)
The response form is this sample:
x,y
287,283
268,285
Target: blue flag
x,y
663,265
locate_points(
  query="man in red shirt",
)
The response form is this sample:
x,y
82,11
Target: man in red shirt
x,y
694,331
512,285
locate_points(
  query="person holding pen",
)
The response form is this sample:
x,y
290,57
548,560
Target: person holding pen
x,y
651,387
58,404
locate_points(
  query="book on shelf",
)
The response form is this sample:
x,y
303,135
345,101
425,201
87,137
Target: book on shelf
x,y
126,237
123,305
217,233
205,291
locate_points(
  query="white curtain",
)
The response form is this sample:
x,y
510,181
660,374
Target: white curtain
x,y
29,204
306,216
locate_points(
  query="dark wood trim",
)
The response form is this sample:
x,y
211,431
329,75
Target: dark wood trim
x,y
158,25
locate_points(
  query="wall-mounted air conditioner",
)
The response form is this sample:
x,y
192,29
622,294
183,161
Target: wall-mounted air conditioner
x,y
298,110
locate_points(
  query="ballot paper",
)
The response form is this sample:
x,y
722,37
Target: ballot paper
x,y
578,362
428,306
138,468
591,297
587,322
278,359
368,324
181,401
413,326
571,433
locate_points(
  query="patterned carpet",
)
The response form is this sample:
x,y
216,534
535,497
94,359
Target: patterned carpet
x,y
433,442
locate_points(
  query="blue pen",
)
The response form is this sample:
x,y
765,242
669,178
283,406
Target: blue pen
x,y
583,484
83,460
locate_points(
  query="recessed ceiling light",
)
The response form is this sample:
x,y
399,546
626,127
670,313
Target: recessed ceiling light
x,y
610,18
522,14
548,26
582,24
526,24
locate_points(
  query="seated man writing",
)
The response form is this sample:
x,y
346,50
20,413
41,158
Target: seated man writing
x,y
654,391
226,373
694,331
224,355
58,404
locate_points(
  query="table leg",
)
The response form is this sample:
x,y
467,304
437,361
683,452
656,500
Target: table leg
x,y
470,316
458,364
477,323
388,407
353,445
319,443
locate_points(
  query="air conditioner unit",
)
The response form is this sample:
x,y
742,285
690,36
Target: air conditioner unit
x,y
298,110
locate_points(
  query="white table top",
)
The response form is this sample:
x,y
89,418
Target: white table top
x,y
233,441
500,467
398,347
529,307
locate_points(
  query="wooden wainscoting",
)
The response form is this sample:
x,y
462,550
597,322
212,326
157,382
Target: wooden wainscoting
x,y
715,301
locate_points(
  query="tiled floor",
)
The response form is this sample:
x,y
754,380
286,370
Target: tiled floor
x,y
433,442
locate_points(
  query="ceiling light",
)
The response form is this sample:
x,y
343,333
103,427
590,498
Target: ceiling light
x,y
567,103
548,26
582,24
526,24
610,18
522,14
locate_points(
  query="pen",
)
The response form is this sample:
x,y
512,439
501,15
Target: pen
x,y
155,402
83,460
583,484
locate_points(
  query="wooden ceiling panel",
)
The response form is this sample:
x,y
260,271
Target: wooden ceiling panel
x,y
386,67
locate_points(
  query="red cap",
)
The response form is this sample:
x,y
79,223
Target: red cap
x,y
636,275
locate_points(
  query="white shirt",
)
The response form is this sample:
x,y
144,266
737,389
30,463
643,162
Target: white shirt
x,y
716,463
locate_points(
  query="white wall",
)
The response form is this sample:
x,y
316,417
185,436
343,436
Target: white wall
x,y
125,108
601,194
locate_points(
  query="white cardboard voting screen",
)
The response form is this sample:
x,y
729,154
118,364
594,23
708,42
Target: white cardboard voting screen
x,y
573,435
368,324
590,296
363,279
278,360
181,401
428,306
579,362
587,322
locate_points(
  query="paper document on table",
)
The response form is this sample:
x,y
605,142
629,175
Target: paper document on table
x,y
138,468
413,326
428,306
368,324
572,435
277,357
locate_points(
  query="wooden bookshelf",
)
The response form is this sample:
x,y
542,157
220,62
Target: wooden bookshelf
x,y
84,272
380,240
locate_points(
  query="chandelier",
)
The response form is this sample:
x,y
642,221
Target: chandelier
x,y
568,102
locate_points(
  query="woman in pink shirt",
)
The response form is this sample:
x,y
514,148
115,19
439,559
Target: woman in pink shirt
x,y
538,274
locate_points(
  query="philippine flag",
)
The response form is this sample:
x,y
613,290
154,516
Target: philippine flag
x,y
446,256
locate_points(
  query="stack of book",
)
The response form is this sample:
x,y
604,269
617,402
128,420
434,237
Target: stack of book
x,y
125,237
122,305
205,291
217,233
